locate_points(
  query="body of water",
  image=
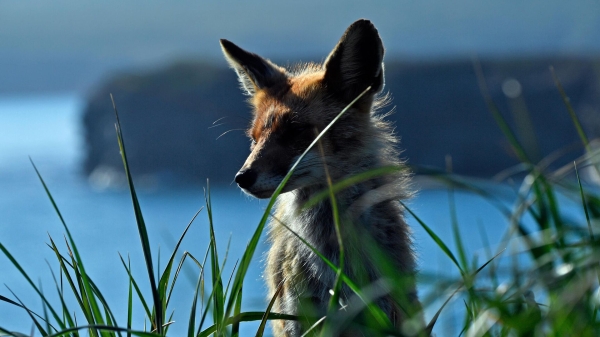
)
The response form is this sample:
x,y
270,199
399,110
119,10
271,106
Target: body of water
x,y
47,129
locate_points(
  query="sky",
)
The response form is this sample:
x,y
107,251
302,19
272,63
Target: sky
x,y
70,46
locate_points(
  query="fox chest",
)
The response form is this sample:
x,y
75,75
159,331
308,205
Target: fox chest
x,y
291,258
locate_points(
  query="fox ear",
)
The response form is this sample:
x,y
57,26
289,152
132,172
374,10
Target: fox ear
x,y
254,72
356,62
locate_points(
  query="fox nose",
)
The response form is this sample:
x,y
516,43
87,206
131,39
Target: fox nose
x,y
245,178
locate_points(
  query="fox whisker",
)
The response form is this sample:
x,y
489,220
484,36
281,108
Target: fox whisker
x,y
228,131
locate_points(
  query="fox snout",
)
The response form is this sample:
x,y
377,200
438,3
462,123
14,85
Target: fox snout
x,y
257,184
270,159
245,178
262,173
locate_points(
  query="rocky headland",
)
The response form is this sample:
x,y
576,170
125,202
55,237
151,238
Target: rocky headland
x,y
184,122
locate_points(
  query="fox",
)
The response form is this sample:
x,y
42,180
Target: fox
x,y
290,106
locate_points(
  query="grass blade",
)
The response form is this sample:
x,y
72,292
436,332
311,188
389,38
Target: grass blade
x,y
571,111
164,279
22,271
218,298
493,108
103,329
334,299
29,312
436,239
66,315
235,329
351,181
431,324
249,316
178,270
97,315
63,267
192,321
137,289
8,300
129,299
157,323
584,203
454,218
4,332
45,310
263,322
204,314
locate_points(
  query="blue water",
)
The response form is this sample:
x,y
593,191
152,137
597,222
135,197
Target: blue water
x,y
102,222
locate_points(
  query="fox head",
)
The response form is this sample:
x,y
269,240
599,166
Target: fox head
x,y
291,106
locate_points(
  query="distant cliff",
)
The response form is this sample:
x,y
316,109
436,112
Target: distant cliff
x,y
185,122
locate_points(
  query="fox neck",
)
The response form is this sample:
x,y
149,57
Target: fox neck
x,y
347,200
322,212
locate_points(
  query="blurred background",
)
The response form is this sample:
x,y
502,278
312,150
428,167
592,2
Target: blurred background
x,y
183,114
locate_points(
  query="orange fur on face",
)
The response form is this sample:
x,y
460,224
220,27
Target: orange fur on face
x,y
271,104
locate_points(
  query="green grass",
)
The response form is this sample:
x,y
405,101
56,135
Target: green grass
x,y
548,287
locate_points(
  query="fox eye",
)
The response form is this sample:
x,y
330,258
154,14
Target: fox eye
x,y
300,128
